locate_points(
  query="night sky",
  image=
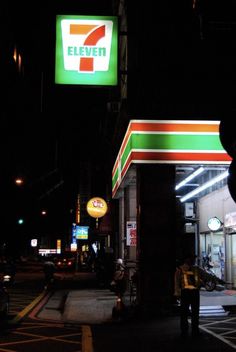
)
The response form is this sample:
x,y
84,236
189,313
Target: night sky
x,y
49,133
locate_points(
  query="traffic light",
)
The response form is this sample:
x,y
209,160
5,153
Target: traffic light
x,y
20,221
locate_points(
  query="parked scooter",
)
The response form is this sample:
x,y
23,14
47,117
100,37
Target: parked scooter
x,y
211,280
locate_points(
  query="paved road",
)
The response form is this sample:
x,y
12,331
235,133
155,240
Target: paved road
x,y
44,336
26,332
54,333
223,329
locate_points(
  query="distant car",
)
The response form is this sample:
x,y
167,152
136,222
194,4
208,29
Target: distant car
x,y
4,301
65,262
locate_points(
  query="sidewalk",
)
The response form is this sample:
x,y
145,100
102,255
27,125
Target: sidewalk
x,y
86,306
94,307
224,298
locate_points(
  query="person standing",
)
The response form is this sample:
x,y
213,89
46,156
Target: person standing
x,y
120,277
188,278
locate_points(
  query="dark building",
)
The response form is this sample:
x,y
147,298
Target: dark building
x,y
52,135
179,67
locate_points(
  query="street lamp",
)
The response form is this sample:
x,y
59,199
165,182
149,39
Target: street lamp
x,y
19,181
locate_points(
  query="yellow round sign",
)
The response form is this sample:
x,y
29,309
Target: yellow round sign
x,y
97,207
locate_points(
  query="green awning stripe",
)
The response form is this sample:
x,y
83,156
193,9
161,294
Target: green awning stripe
x,y
115,178
174,141
171,142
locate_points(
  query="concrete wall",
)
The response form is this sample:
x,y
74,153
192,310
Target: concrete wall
x,y
216,204
220,203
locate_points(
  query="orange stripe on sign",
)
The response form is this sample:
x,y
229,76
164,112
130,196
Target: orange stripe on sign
x,y
217,157
94,37
86,64
166,127
174,127
81,28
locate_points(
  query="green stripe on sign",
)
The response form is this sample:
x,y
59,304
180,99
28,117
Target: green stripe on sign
x,y
176,141
115,178
128,148
167,142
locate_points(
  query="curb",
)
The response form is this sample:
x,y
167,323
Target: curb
x,y
40,299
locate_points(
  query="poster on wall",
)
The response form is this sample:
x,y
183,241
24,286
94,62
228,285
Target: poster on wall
x,y
131,233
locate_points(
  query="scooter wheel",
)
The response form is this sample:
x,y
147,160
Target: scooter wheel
x,y
210,286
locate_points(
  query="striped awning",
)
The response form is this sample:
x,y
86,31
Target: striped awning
x,y
168,142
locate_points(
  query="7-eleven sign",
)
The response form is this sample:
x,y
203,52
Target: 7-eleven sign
x,y
86,50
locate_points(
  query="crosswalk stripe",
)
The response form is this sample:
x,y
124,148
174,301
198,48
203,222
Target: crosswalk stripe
x,y
206,311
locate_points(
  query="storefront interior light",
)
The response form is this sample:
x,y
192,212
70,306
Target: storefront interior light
x,y
189,178
206,185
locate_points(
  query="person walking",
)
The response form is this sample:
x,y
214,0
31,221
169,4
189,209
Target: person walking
x,y
188,278
49,270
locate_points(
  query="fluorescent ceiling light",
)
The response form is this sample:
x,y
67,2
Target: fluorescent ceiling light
x,y
204,186
189,178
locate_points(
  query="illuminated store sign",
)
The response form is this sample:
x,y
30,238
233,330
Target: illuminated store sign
x,y
86,50
96,207
168,142
82,232
79,233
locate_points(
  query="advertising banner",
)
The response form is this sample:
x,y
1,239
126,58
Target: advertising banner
x,y
82,232
131,233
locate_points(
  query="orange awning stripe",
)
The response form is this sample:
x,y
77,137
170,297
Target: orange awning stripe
x,y
175,127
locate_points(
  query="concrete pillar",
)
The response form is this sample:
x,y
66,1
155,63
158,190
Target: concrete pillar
x,y
156,237
131,215
121,226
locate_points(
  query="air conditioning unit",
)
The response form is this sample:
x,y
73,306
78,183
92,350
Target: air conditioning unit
x,y
189,228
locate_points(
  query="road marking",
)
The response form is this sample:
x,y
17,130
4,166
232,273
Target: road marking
x,y
27,309
219,337
221,332
87,339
